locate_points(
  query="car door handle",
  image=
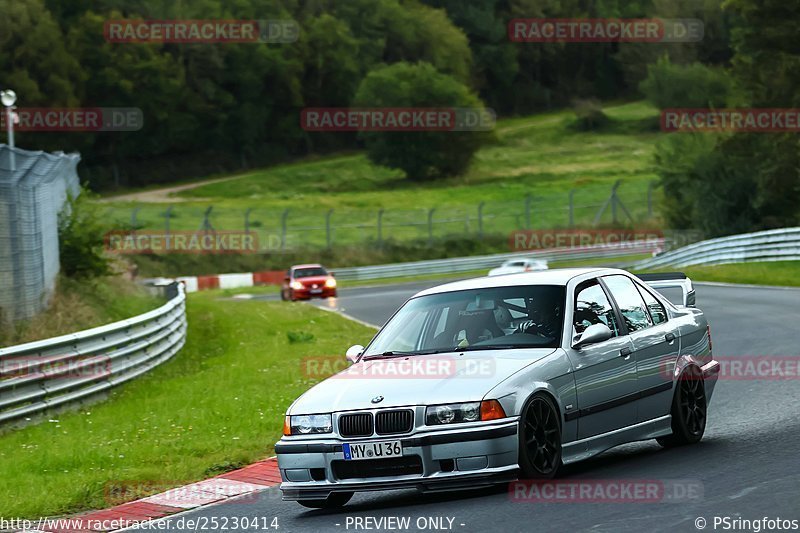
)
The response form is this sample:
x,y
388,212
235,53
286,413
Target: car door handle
x,y
625,352
670,337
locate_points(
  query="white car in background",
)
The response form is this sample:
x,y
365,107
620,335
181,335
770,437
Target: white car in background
x,y
515,266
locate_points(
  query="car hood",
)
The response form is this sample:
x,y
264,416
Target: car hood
x,y
313,279
417,380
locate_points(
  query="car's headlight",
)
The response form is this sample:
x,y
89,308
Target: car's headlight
x,y
296,285
330,283
308,424
463,412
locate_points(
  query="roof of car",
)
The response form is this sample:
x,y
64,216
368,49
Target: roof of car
x,y
558,276
310,265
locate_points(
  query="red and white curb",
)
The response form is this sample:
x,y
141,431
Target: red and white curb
x,y
248,480
232,281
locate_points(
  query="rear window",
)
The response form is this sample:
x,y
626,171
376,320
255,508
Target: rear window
x,y
310,272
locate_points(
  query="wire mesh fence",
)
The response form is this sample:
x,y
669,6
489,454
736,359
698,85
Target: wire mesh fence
x,y
622,203
33,188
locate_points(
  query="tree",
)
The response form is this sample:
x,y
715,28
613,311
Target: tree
x,y
422,155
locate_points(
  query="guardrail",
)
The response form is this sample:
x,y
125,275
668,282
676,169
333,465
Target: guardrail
x,y
40,375
466,264
771,245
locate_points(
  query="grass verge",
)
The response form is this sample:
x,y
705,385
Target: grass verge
x,y
778,273
216,406
79,305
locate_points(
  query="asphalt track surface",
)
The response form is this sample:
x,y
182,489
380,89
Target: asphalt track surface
x,y
746,466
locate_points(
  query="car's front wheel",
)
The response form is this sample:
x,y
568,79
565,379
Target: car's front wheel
x,y
334,500
540,439
689,410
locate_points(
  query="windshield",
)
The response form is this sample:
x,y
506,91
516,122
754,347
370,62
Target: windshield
x,y
498,317
309,272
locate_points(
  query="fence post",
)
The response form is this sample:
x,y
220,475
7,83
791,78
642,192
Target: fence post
x,y
134,214
572,208
328,227
167,217
284,216
480,220
380,227
527,211
430,225
247,220
206,226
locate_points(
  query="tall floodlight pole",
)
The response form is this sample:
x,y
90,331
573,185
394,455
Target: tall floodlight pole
x,y
9,97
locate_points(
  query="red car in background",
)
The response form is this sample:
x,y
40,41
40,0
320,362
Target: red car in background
x,y
308,281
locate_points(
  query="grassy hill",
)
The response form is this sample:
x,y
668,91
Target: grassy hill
x,y
543,156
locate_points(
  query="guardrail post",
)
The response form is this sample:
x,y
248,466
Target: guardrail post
x,y
527,211
284,217
380,227
328,237
572,208
480,219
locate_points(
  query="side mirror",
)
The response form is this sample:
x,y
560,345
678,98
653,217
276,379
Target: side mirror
x,y
354,352
592,335
332,274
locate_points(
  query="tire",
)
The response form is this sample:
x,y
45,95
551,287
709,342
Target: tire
x,y
291,296
540,439
283,295
689,410
334,500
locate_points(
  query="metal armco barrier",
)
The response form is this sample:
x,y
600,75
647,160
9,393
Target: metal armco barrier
x,y
40,375
466,264
771,245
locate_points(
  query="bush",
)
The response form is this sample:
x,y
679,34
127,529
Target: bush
x,y
589,115
695,85
80,238
422,155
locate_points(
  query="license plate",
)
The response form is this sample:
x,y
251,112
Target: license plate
x,y
372,450
316,291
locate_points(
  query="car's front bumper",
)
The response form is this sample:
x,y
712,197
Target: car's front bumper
x,y
450,460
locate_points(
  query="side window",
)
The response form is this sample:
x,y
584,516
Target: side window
x,y
629,301
657,311
592,307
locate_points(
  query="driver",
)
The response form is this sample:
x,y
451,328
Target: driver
x,y
545,318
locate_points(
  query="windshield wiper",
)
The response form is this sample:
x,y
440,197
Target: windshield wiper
x,y
497,347
392,353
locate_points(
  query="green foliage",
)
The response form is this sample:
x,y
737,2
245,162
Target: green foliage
x,y
80,238
742,181
213,108
589,115
674,86
422,155
297,337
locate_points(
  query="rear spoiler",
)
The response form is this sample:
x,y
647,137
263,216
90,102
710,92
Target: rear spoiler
x,y
672,280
